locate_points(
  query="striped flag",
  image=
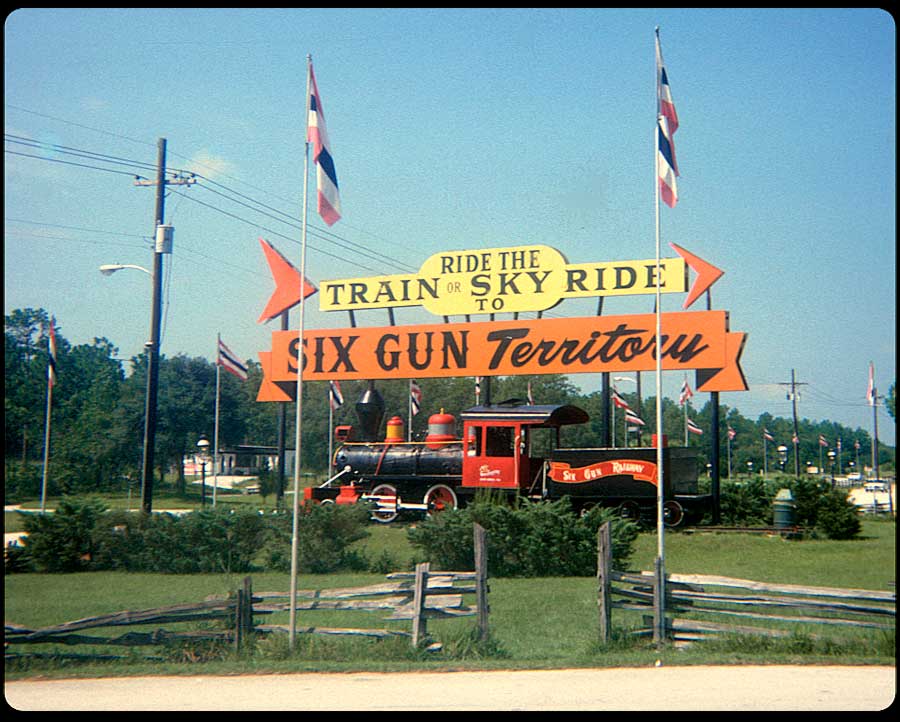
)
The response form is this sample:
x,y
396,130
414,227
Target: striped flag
x,y
693,428
666,125
665,104
822,440
618,401
686,393
230,362
665,164
731,433
335,397
768,436
632,418
329,201
415,397
795,439
51,360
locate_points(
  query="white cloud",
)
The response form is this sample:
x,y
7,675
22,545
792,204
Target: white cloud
x,y
205,163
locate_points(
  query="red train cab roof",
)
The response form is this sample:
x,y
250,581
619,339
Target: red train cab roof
x,y
551,415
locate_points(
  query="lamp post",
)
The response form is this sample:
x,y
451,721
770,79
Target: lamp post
x,y
203,450
782,456
831,456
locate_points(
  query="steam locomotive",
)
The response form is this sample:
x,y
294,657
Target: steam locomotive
x,y
512,448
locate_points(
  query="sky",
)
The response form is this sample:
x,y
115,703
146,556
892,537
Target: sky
x,y
458,129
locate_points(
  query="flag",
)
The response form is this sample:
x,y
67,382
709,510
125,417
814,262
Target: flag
x,y
51,360
415,397
530,395
731,433
767,436
477,388
665,104
335,397
686,393
632,418
228,361
618,401
822,441
693,428
329,201
870,391
665,164
795,439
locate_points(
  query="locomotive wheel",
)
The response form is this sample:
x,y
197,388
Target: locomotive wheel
x,y
629,510
438,498
673,513
386,508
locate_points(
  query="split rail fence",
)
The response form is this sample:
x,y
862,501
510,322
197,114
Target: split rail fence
x,y
415,596
736,599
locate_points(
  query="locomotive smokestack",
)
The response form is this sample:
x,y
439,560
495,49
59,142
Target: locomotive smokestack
x,y
370,410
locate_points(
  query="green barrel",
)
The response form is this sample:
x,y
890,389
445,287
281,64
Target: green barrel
x,y
785,509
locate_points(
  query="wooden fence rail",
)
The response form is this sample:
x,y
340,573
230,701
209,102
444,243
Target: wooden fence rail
x,y
416,596
735,598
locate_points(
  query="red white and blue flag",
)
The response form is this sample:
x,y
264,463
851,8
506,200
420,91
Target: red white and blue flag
x,y
693,428
665,164
230,362
666,125
768,436
51,361
822,440
335,397
329,201
686,393
415,397
632,419
618,401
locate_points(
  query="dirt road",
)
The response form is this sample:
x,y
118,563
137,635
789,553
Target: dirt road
x,y
664,688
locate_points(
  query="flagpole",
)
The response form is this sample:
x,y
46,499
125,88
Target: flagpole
x,y
409,410
330,424
216,427
297,444
659,606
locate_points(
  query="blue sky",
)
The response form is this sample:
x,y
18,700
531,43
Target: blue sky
x,y
464,129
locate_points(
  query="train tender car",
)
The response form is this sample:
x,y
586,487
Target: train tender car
x,y
512,448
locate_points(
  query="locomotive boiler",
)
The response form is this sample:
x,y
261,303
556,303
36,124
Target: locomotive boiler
x,y
512,448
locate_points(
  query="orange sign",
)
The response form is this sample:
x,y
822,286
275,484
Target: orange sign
x,y
690,340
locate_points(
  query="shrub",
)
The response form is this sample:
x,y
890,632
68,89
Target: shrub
x,y
838,517
526,540
324,533
63,541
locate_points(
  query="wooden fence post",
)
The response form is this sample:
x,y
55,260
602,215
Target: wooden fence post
x,y
238,620
604,568
247,620
481,588
419,628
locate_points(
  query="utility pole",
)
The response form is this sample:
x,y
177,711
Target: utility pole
x,y
792,396
163,244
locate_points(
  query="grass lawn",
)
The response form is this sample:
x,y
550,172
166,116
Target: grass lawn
x,y
547,622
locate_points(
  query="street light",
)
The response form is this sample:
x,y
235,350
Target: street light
x,y
203,450
108,269
831,456
782,456
163,245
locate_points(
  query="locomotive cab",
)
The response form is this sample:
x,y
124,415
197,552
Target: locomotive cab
x,y
499,444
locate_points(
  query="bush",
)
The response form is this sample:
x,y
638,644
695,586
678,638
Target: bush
x,y
838,517
63,541
526,540
324,533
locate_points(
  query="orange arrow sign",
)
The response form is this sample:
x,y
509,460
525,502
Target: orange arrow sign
x,y
707,274
290,288
730,377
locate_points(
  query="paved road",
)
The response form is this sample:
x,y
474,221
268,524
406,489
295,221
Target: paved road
x,y
664,688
